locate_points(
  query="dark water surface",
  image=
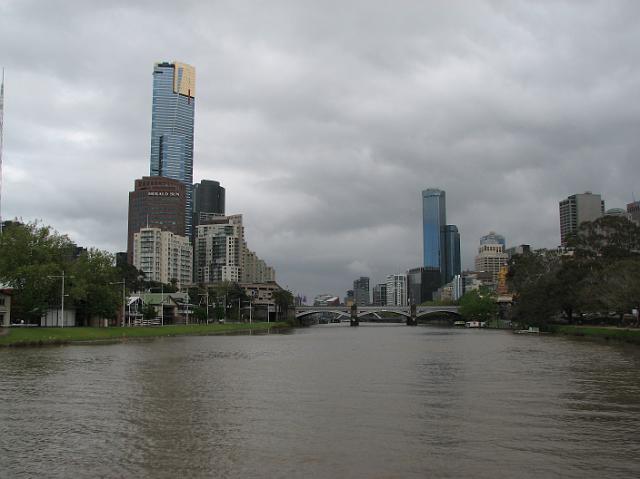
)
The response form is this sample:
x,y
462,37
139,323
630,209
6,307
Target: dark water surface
x,y
331,401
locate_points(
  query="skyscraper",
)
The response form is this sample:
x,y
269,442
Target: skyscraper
x,y
434,218
361,291
172,126
208,201
577,209
451,252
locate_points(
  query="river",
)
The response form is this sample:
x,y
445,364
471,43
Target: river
x,y
378,401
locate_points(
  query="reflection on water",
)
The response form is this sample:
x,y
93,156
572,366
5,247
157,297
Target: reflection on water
x,y
331,401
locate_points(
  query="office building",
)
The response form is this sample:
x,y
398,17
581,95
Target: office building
x,y
397,290
172,119
452,261
422,283
380,294
491,257
493,238
577,209
163,256
520,249
361,291
158,203
208,201
434,219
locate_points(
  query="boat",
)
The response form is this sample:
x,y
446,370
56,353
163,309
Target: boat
x,y
531,330
459,324
475,324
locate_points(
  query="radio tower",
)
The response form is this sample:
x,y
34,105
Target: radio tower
x,y
1,122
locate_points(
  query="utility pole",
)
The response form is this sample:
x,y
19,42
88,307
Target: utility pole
x,y
61,276
1,128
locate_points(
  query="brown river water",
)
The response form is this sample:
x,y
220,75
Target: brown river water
x,y
378,401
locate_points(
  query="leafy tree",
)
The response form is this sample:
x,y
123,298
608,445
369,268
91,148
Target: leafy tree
x,y
149,312
283,300
92,289
479,305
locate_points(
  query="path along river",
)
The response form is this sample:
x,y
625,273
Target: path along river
x,y
379,401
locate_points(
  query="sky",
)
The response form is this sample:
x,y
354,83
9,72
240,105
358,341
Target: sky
x,y
324,120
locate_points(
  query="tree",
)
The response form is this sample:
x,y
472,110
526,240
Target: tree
x,y
479,305
149,312
283,300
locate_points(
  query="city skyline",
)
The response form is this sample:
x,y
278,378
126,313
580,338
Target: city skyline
x,y
325,163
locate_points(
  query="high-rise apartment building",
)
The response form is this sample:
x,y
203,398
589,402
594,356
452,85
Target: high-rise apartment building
x,y
361,291
221,254
174,90
158,203
422,283
491,257
163,256
577,209
397,290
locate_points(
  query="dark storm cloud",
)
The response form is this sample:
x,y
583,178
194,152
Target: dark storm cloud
x,y
325,120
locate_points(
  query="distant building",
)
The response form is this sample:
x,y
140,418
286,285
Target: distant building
x,y
156,202
163,256
491,257
457,287
261,293
619,212
634,210
441,242
520,249
577,209
380,294
172,117
422,283
208,201
397,290
493,238
361,291
221,254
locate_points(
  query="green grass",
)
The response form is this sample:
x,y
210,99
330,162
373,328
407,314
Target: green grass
x,y
42,336
593,332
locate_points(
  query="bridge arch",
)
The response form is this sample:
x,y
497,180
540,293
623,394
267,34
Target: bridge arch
x,y
382,310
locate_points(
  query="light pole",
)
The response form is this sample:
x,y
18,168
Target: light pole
x,y
162,305
61,276
123,283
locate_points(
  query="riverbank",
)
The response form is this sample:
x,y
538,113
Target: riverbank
x,y
46,336
626,335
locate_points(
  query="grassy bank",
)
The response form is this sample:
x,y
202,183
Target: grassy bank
x,y
594,332
43,336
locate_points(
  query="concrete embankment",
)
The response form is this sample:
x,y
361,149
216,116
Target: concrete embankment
x,y
46,336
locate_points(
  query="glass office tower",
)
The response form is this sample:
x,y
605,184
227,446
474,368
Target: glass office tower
x,y
172,126
434,219
452,252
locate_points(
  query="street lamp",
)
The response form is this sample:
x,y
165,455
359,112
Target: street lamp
x,y
61,276
123,283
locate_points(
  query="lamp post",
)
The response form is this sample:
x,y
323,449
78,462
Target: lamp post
x,y
61,276
123,283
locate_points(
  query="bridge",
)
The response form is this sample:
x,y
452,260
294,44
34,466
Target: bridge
x,y
355,313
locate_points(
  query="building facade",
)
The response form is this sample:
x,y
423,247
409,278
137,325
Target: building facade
x,y
208,201
163,256
577,209
490,258
634,210
5,306
422,283
452,265
397,290
434,219
361,291
172,118
158,203
380,294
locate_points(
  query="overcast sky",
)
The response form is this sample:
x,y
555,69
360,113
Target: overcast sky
x,y
324,120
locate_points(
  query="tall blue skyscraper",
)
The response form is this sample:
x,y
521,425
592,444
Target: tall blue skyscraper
x,y
174,89
434,218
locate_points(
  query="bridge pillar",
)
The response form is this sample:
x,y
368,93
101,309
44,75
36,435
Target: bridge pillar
x,y
354,315
413,320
